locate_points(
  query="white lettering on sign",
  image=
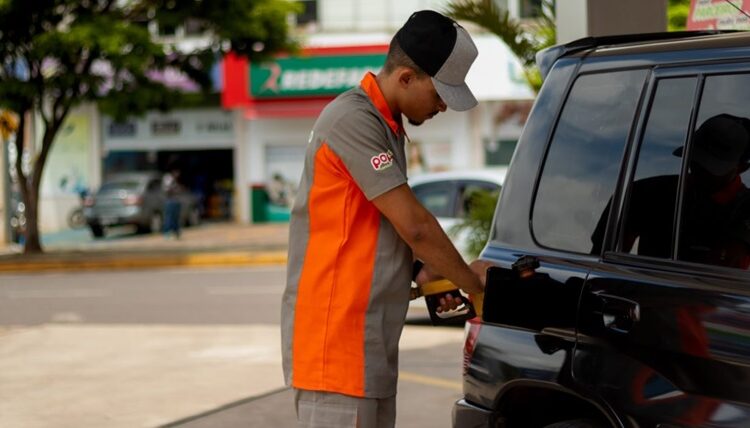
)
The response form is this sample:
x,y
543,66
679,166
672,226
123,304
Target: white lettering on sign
x,y
321,79
382,161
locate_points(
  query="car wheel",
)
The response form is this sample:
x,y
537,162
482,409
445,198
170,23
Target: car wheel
x,y
577,423
97,230
76,219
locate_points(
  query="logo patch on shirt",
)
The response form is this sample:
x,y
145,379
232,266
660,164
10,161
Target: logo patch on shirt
x,y
382,161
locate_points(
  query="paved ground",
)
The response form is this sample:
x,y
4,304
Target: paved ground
x,y
245,387
190,376
211,244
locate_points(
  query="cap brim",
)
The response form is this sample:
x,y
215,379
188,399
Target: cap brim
x,y
707,161
456,97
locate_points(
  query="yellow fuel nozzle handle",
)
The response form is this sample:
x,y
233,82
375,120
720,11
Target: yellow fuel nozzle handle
x,y
434,290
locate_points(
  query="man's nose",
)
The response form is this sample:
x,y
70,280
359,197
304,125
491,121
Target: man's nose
x,y
442,106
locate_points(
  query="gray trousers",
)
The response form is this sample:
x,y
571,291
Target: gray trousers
x,y
316,409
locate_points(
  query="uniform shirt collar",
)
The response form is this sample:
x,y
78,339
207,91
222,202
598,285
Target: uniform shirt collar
x,y
371,88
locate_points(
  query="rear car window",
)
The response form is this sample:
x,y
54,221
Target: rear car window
x,y
583,161
649,224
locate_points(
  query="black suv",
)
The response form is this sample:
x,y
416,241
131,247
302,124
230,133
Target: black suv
x,y
622,240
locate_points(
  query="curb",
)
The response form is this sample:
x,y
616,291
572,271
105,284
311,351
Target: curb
x,y
198,259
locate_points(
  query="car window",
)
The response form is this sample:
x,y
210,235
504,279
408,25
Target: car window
x,y
468,192
583,161
116,186
437,197
715,215
649,224
154,185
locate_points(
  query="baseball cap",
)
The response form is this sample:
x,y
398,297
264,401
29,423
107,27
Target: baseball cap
x,y
445,51
720,144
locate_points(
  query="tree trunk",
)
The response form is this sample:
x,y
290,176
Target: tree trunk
x,y
33,244
31,184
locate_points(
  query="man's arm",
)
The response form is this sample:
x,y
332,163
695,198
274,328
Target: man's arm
x,y
421,231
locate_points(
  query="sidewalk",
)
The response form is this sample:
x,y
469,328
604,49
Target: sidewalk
x,y
210,244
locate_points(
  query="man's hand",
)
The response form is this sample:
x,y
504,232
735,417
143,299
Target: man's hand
x,y
448,303
479,267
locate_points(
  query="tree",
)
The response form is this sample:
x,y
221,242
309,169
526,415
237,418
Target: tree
x,y
677,14
523,39
55,54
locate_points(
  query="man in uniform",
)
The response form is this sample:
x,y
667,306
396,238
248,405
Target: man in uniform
x,y
356,230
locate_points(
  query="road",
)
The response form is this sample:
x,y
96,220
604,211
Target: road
x,y
189,348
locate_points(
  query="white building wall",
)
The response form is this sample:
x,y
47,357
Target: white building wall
x,y
368,15
74,161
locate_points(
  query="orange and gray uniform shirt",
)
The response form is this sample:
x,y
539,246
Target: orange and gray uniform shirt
x,y
349,272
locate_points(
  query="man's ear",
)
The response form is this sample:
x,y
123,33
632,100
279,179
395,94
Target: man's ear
x,y
405,76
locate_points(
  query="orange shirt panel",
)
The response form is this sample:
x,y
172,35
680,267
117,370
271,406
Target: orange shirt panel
x,y
334,286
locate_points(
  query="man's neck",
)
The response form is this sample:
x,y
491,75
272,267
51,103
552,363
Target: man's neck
x,y
386,85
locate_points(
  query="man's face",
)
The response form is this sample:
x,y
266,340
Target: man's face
x,y
422,101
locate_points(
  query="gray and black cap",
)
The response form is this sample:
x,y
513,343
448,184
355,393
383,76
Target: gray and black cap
x,y
445,51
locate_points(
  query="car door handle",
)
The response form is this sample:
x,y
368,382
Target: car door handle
x,y
618,314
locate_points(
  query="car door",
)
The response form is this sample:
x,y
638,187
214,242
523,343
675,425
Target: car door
x,y
663,336
154,197
533,315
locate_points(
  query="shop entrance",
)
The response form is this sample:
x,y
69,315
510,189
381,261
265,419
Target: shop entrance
x,y
209,174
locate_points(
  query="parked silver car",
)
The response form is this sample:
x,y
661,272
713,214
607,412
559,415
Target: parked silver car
x,y
135,199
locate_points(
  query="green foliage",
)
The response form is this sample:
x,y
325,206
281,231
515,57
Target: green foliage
x,y
677,14
478,221
102,51
523,39
55,54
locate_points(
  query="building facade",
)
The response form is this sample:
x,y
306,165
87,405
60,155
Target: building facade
x,y
276,103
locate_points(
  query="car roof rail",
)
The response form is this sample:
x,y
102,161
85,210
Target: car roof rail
x,y
547,57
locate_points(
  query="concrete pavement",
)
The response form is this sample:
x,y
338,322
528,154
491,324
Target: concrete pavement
x,y
66,373
129,376
211,244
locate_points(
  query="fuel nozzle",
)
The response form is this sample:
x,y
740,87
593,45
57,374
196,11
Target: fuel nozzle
x,y
435,290
526,266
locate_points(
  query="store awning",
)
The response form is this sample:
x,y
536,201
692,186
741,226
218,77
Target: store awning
x,y
279,109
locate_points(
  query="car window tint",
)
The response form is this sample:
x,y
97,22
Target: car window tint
x,y
436,197
116,186
715,219
650,213
583,161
